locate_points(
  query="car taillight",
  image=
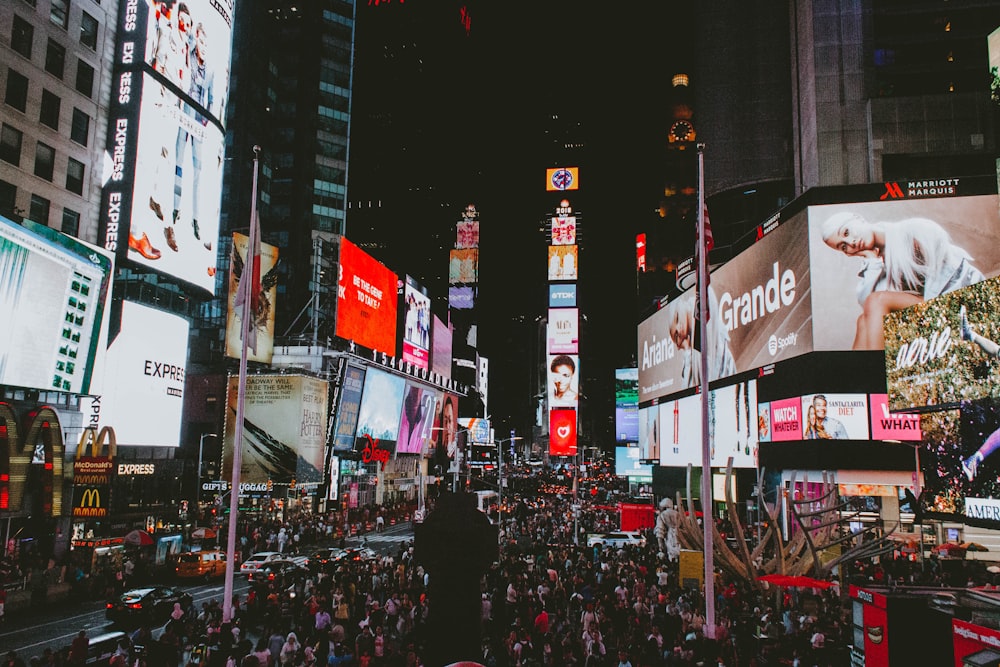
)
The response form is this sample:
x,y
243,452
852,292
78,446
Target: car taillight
x,y
111,605
134,605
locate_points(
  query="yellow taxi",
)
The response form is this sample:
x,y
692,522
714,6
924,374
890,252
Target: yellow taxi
x,y
206,564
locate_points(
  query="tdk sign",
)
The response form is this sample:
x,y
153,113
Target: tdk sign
x,y
562,295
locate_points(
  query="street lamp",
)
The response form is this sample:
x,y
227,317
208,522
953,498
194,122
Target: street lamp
x,y
500,443
201,453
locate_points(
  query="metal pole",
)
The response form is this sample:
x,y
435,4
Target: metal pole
x,y
500,483
706,447
201,458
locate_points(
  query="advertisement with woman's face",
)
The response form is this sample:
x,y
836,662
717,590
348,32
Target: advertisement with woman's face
x,y
445,428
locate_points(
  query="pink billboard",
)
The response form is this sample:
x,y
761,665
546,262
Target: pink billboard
x,y
892,426
786,419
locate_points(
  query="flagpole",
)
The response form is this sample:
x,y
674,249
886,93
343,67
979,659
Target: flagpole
x,y
706,445
246,285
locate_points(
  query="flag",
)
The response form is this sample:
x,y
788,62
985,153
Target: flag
x,y
709,239
249,290
705,245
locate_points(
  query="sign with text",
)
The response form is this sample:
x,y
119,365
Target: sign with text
x,y
563,331
892,425
366,300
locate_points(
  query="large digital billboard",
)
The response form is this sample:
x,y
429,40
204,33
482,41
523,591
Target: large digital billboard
x,y
467,234
53,291
416,323
944,351
284,429
143,395
347,411
441,353
562,295
629,464
416,419
563,331
463,266
835,417
562,432
563,264
381,407
461,297
165,150
444,438
563,229
943,452
627,405
564,380
366,300
263,319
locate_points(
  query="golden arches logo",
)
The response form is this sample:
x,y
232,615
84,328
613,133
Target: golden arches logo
x,y
95,440
43,428
90,504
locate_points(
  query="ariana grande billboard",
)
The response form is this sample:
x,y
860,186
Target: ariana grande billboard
x,y
165,151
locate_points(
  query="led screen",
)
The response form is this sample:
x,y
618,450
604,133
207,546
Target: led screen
x,y
563,263
333,483
284,429
441,356
562,432
416,324
563,331
144,377
463,266
347,411
835,417
888,425
930,361
381,407
467,234
941,456
53,290
564,380
564,230
628,464
445,431
163,179
562,295
478,428
366,300
461,297
416,419
263,319
627,405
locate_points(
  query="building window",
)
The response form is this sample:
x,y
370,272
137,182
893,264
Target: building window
x,y
49,114
74,176
8,199
88,31
45,159
59,13
17,90
70,222
55,58
84,78
10,145
22,35
39,211
81,127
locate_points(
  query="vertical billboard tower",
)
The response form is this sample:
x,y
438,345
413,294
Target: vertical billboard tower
x,y
463,280
562,337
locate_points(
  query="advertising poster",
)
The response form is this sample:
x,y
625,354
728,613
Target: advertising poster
x,y
628,463
563,263
564,230
835,417
284,429
263,319
416,419
564,380
970,639
416,324
463,267
681,439
763,422
333,483
467,234
888,425
478,428
563,331
786,420
441,354
381,407
627,405
445,431
732,419
562,432
660,362
859,250
461,297
562,178
144,377
945,350
53,291
562,295
346,424
649,433
366,300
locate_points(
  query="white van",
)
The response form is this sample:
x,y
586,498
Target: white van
x,y
484,499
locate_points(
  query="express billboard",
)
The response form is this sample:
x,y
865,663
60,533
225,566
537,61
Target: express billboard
x,y
162,190
263,319
627,405
381,407
563,331
53,291
347,411
416,323
284,429
366,300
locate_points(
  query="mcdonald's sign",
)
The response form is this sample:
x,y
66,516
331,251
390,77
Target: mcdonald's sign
x,y
91,502
44,432
96,468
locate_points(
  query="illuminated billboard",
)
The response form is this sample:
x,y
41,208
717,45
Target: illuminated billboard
x,y
53,290
366,300
441,354
445,431
144,377
381,407
563,229
563,263
467,234
478,428
416,419
944,351
263,319
627,405
284,429
564,380
416,324
562,432
347,411
165,150
562,295
562,179
463,266
563,331
835,417
461,297
888,425
629,464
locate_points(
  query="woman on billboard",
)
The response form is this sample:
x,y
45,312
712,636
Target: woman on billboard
x,y
905,263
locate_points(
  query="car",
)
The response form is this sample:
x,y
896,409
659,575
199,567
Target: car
x,y
206,564
618,540
282,570
321,558
356,554
149,604
257,560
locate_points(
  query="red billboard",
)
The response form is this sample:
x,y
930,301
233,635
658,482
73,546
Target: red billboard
x,y
366,300
562,432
